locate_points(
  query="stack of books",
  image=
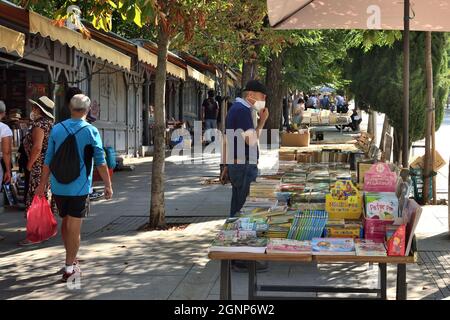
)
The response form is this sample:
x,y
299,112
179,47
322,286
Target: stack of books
x,y
370,248
238,241
307,225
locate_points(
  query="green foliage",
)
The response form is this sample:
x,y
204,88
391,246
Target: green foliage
x,y
377,80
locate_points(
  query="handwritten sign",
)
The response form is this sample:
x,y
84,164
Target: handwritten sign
x,y
380,178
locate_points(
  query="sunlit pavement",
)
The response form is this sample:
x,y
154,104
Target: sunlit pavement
x,y
120,263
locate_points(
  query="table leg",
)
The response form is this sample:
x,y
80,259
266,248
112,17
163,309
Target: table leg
x,y
383,280
401,282
251,279
225,280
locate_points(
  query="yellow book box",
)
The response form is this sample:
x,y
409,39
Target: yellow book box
x,y
344,201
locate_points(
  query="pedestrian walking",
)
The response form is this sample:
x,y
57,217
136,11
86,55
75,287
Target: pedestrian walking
x,y
298,111
5,153
210,112
74,145
286,111
35,145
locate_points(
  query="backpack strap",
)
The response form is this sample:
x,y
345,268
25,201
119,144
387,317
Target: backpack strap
x,y
81,129
68,131
65,128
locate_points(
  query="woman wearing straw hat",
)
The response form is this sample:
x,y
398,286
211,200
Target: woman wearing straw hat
x,y
35,143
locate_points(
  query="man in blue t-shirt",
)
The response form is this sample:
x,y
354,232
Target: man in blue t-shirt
x,y
242,136
71,198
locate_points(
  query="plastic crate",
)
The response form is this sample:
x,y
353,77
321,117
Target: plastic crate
x,y
418,184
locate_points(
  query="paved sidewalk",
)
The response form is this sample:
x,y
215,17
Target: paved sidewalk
x,y
120,263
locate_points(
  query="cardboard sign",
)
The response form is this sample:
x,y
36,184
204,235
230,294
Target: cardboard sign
x,y
380,178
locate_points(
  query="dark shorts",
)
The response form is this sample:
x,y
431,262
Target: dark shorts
x,y
74,206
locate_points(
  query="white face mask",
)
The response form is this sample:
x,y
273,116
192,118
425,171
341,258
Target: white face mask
x,y
32,116
259,105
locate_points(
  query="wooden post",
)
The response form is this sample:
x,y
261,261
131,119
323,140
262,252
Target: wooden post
x,y
433,153
405,142
429,118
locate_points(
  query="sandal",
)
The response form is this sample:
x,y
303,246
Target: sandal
x,y
26,242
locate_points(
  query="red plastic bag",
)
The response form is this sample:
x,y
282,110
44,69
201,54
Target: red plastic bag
x,y
41,224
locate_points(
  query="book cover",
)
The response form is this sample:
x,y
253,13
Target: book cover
x,y
239,244
381,205
288,246
333,246
411,216
370,248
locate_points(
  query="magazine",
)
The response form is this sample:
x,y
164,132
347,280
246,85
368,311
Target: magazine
x,y
288,246
333,246
370,248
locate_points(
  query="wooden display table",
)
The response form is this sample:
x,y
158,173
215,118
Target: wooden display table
x,y
254,288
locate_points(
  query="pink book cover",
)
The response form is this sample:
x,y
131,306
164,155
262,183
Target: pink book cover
x,y
288,246
380,178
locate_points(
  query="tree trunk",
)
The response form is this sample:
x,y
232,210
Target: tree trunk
x,y
157,208
398,146
433,153
249,71
372,126
223,109
429,120
386,129
274,98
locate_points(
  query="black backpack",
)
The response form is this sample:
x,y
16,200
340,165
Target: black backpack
x,y
65,165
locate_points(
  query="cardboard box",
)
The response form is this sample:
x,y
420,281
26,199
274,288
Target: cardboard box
x,y
346,231
375,229
300,139
439,162
341,205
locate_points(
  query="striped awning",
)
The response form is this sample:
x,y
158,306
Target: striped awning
x,y
147,57
73,39
200,77
12,41
150,58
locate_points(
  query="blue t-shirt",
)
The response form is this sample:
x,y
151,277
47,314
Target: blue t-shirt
x,y
340,100
239,118
86,136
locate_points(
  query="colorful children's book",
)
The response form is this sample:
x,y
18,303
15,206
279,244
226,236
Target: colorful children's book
x,y
288,246
307,225
333,246
381,205
370,248
397,242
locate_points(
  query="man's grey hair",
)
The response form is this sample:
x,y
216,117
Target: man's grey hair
x,y
2,107
80,102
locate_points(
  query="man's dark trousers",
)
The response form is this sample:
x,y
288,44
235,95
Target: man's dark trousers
x,y
241,176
